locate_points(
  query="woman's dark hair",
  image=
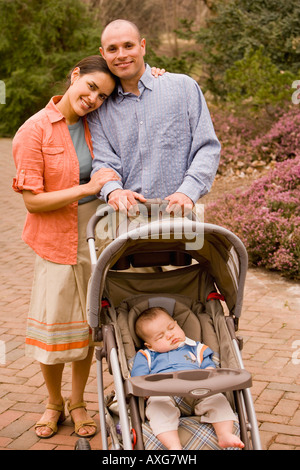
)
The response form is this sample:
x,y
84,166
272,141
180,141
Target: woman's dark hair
x,y
91,64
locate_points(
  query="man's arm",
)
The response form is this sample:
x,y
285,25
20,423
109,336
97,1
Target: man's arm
x,y
205,149
104,156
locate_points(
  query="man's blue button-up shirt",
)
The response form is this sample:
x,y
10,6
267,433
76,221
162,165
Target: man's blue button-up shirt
x,y
159,142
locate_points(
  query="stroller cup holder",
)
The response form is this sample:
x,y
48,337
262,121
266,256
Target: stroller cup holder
x,y
194,383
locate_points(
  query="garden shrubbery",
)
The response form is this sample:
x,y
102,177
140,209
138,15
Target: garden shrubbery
x,y
251,142
282,141
247,56
38,46
266,217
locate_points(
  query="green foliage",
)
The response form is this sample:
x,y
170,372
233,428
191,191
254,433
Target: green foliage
x,y
241,25
182,64
39,42
256,80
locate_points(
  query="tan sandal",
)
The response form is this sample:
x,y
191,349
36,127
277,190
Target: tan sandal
x,y
80,424
52,424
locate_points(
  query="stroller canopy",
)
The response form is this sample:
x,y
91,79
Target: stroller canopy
x,y
178,242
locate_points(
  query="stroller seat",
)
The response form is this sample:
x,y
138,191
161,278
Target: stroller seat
x,y
181,308
198,326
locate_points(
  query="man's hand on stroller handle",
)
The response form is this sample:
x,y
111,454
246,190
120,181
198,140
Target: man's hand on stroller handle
x,y
126,201
180,204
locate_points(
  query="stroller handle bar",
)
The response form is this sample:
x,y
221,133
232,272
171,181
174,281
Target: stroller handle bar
x,y
106,209
194,383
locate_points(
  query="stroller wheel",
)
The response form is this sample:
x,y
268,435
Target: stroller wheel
x,y
82,444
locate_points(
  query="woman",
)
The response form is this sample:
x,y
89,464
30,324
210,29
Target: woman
x,y
53,156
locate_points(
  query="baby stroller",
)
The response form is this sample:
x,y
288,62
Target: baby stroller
x,y
189,268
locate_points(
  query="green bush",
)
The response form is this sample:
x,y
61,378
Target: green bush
x,y
255,80
183,64
240,25
39,43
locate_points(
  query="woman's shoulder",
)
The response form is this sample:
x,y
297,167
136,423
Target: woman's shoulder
x,y
37,120
43,117
34,127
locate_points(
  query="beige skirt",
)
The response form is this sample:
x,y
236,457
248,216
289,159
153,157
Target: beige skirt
x,y
57,327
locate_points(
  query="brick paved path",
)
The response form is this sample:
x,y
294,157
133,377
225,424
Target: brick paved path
x,y
270,325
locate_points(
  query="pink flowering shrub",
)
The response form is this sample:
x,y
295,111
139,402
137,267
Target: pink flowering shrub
x,y
235,134
266,217
283,139
247,139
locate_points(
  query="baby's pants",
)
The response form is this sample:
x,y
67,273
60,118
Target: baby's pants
x,y
163,413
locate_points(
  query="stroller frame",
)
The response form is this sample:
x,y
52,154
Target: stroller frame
x,y
234,260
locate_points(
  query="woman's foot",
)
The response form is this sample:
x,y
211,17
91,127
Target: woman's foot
x,y
85,426
47,426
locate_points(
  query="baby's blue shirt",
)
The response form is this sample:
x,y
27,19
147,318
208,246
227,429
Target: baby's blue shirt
x,y
188,356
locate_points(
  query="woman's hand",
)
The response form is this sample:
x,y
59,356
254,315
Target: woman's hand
x,y
53,200
100,178
156,72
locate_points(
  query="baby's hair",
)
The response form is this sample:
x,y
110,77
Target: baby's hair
x,y
148,314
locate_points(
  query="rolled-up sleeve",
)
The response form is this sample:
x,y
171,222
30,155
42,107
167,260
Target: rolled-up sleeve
x,y
28,157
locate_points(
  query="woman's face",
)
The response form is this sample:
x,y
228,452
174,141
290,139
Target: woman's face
x,y
88,92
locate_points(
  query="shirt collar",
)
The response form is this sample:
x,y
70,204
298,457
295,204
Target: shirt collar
x,y
188,341
147,78
146,81
52,111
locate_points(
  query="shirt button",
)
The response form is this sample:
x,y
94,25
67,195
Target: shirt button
x,y
146,191
141,123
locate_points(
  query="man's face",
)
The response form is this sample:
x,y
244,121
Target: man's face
x,y
124,51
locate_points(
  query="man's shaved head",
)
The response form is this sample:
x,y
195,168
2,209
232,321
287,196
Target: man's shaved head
x,y
124,51
118,24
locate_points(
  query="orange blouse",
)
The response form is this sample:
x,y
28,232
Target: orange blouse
x,y
46,160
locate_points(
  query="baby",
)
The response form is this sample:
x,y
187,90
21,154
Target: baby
x,y
169,350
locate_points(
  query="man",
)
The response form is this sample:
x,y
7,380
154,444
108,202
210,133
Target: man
x,y
157,134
